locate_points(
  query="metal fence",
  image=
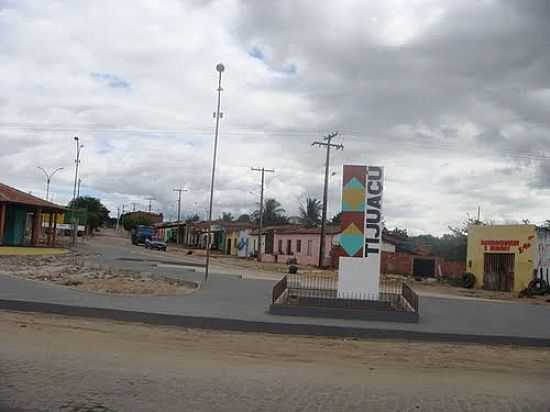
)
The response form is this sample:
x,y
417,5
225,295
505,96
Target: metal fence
x,y
410,296
323,291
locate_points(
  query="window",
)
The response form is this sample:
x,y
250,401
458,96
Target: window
x,y
289,247
309,247
299,246
281,246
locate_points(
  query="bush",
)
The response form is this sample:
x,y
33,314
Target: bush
x,y
293,269
468,280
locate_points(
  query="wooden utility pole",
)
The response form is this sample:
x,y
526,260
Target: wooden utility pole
x,y
261,218
179,201
327,142
150,199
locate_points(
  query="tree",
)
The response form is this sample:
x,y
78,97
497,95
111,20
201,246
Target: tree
x,y
227,217
244,218
310,213
336,219
398,232
273,214
97,213
193,218
130,221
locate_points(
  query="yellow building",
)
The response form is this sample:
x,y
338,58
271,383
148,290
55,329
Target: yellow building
x,y
502,257
231,242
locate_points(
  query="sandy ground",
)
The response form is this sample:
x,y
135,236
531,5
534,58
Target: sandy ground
x,y
51,363
105,335
71,270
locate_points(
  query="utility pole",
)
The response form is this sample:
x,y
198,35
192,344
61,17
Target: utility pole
x,y
77,162
117,218
327,142
179,200
218,115
78,188
133,206
150,199
121,218
261,220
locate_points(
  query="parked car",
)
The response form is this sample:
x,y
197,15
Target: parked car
x,y
155,244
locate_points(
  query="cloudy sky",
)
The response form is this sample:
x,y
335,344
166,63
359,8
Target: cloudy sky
x,y
452,97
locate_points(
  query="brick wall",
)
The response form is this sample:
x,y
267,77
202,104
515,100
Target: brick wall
x,y
396,263
453,269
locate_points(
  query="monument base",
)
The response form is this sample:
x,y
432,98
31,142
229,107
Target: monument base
x,y
357,279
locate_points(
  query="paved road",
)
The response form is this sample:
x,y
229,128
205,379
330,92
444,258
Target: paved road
x,y
229,297
77,365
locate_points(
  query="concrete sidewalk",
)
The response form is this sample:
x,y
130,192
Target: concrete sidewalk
x,y
229,302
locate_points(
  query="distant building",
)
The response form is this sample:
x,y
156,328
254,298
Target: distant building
x,y
154,217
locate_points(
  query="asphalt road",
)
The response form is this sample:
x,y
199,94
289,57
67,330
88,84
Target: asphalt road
x,y
60,364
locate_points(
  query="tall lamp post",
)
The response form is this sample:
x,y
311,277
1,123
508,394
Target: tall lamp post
x,y
49,179
77,162
217,115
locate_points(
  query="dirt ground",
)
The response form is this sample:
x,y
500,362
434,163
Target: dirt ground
x,y
70,270
106,335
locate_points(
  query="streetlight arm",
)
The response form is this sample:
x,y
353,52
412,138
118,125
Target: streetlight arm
x,y
55,171
44,171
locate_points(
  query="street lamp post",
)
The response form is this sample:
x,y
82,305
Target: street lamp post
x,y
77,162
219,68
49,179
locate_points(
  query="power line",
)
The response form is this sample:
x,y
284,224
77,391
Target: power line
x,y
328,144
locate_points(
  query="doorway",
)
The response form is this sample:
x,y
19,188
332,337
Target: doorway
x,y
498,272
423,267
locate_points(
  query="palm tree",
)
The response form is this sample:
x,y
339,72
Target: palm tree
x,y
273,214
310,213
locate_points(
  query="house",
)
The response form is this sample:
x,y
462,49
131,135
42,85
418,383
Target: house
x,y
237,239
21,215
281,243
508,257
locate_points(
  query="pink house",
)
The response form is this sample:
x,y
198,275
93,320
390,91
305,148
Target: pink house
x,y
302,243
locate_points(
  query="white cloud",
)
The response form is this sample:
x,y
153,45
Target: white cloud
x,y
428,89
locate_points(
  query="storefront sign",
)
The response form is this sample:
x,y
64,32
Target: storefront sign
x,y
499,245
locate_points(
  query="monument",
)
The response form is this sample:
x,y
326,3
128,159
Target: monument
x,y
361,237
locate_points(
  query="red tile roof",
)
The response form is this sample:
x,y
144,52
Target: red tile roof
x,y
10,194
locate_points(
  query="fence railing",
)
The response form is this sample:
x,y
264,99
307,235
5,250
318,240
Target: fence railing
x,y
410,296
279,289
323,291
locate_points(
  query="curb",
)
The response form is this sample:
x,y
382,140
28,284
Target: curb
x,y
198,322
